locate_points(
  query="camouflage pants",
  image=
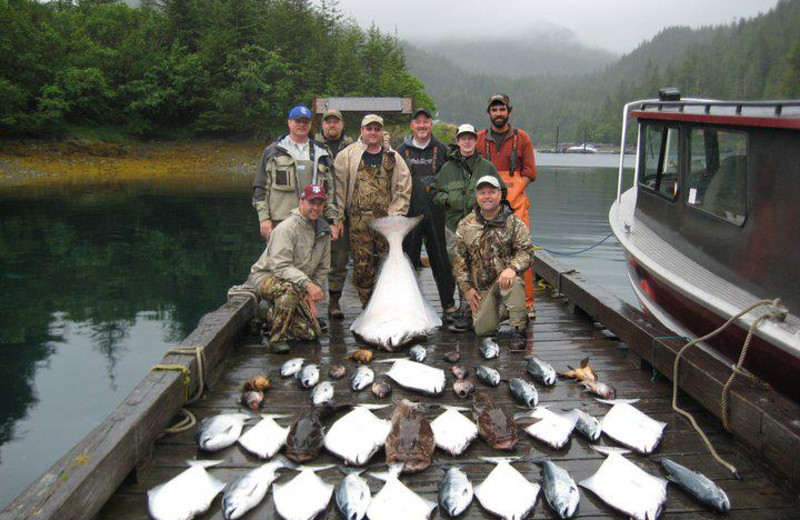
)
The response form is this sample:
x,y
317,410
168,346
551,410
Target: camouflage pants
x,y
289,315
339,252
367,247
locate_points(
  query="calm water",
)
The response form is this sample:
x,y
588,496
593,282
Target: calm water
x,y
98,281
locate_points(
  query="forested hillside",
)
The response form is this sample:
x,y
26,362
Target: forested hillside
x,y
757,58
183,67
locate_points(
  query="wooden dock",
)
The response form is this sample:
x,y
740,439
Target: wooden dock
x,y
559,335
107,474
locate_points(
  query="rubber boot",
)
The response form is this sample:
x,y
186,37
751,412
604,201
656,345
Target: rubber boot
x,y
519,339
334,310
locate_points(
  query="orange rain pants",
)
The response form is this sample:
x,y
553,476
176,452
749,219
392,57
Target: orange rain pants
x,y
520,204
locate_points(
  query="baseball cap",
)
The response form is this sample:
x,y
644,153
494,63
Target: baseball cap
x,y
372,118
313,191
466,128
499,98
421,111
332,113
488,179
300,112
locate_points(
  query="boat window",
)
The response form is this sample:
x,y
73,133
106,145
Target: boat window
x,y
659,169
718,173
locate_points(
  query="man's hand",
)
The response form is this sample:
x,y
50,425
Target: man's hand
x,y
266,229
314,292
474,299
312,305
337,230
506,278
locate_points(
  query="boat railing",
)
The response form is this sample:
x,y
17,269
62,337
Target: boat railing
x,y
709,106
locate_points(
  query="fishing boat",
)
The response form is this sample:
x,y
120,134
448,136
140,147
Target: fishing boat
x,y
710,227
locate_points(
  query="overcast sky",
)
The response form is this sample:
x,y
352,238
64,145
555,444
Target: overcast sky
x,y
616,25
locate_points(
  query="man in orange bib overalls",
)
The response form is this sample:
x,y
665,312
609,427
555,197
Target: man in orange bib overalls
x,y
510,150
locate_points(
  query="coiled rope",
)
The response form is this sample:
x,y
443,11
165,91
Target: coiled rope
x,y
189,419
571,253
776,312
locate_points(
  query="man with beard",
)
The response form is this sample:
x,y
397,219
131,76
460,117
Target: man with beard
x,y
372,181
333,136
425,156
493,249
291,272
511,151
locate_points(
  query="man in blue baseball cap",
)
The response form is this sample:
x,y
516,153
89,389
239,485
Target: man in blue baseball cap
x,y
287,165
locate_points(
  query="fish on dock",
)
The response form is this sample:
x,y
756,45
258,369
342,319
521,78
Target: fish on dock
x,y
633,428
624,486
363,356
397,313
252,399
703,489
505,492
322,393
352,496
291,367
452,431
417,353
260,382
337,372
249,490
358,435
560,490
463,388
416,376
549,427
362,378
494,426
600,388
487,375
187,495
587,425
219,432
308,376
541,371
524,392
489,348
460,372
266,438
395,501
454,356
583,373
411,439
306,435
455,492
381,389
303,497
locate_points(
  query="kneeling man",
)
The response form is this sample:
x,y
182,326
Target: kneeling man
x,y
291,272
493,250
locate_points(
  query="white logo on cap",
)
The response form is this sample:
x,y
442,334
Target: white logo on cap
x,y
316,189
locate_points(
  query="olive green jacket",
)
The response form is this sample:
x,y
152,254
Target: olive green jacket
x,y
455,185
299,251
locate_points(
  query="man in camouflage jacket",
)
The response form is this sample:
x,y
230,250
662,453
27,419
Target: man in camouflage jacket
x,y
493,250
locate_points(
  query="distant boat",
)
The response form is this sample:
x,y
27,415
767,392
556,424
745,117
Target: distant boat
x,y
582,148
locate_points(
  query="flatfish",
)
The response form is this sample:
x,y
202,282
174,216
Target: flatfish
x,y
624,486
452,431
358,435
266,438
397,313
249,490
187,495
395,501
494,426
587,425
220,431
352,496
559,489
541,371
551,428
303,497
411,439
632,428
455,492
306,435
505,492
416,376
697,485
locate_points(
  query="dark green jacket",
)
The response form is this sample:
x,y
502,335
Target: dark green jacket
x,y
454,186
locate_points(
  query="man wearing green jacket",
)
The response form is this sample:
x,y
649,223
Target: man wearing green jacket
x,y
454,188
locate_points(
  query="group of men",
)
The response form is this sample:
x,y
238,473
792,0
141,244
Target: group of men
x,y
315,199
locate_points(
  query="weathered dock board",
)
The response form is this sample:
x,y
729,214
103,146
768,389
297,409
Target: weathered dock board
x,y
559,336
